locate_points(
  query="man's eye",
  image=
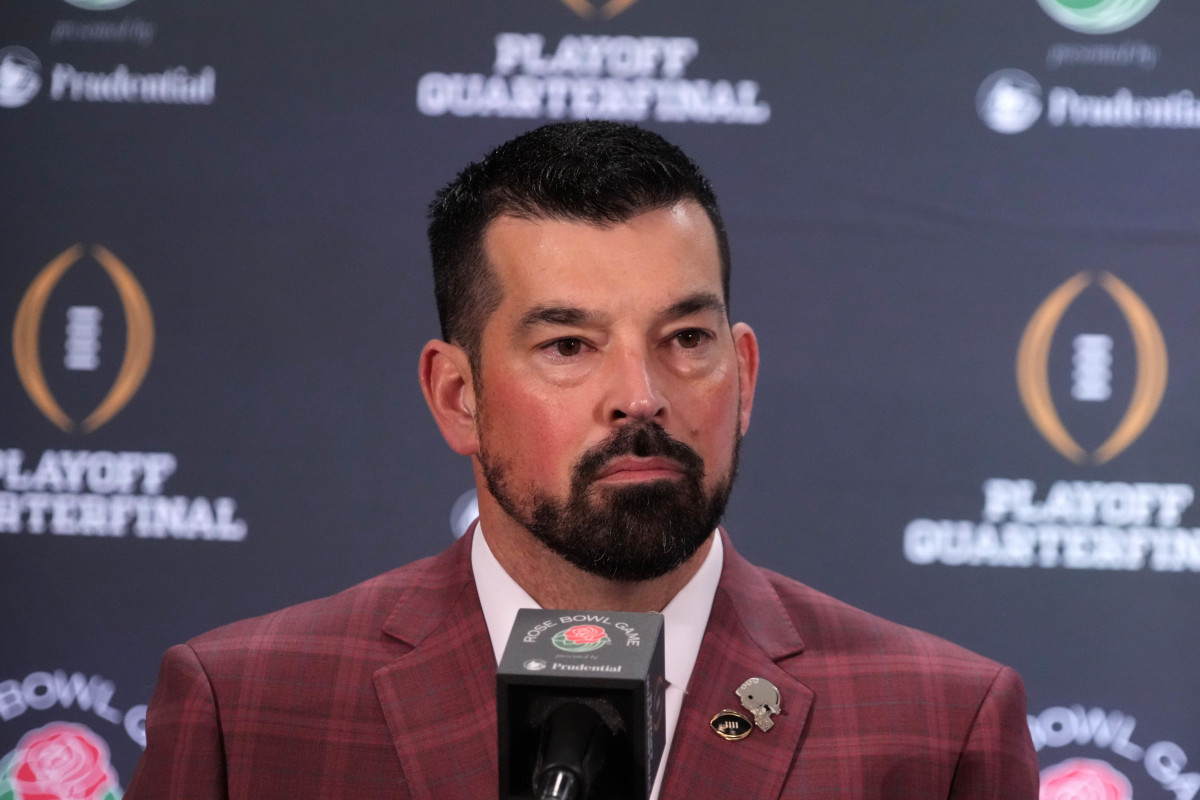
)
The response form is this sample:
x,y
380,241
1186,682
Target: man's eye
x,y
568,347
690,338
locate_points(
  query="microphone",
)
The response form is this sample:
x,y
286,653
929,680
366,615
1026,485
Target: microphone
x,y
579,698
576,739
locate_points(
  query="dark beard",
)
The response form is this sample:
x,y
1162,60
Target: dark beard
x,y
625,533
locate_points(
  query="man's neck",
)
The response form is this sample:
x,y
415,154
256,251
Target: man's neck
x,y
555,583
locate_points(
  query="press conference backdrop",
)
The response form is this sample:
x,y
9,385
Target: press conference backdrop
x,y
967,235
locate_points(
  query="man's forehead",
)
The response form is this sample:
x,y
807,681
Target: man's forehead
x,y
686,213
523,249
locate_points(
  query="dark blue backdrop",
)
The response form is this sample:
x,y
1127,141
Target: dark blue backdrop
x,y
211,407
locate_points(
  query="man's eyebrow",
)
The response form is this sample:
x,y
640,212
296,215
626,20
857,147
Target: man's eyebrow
x,y
554,315
574,316
693,304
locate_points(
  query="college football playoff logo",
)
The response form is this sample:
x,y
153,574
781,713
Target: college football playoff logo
x,y
139,338
1033,356
607,10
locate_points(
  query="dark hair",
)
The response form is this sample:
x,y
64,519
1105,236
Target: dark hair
x,y
602,173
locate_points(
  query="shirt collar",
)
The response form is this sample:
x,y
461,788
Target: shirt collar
x,y
684,618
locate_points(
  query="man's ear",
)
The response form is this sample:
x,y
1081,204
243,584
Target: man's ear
x,y
446,381
746,345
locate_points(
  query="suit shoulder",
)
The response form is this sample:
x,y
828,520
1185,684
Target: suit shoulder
x,y
356,612
836,629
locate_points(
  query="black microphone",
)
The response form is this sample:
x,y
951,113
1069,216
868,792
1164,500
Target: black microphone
x,y
577,735
580,702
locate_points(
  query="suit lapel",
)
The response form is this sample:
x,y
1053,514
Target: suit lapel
x,y
749,634
440,698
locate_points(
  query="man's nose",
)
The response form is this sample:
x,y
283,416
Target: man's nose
x,y
635,391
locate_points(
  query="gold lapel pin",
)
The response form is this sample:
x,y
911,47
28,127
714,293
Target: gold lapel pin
x,y
731,725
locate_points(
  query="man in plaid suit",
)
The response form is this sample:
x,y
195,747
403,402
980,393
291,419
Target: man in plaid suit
x,y
589,370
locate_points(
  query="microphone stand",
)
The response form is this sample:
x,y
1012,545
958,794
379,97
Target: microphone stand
x,y
574,748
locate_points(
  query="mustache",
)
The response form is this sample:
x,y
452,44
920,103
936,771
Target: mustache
x,y
641,440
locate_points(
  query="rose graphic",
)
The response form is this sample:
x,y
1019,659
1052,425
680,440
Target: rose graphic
x,y
581,638
1084,779
585,634
60,761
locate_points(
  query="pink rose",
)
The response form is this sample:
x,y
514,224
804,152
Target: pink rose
x,y
585,634
61,761
1084,779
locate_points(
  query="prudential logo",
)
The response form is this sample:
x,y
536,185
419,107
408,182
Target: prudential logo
x,y
1098,16
1009,101
20,76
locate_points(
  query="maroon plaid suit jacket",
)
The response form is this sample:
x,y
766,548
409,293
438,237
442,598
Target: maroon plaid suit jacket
x,y
387,690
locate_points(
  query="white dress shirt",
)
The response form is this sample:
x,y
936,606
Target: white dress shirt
x,y
684,621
